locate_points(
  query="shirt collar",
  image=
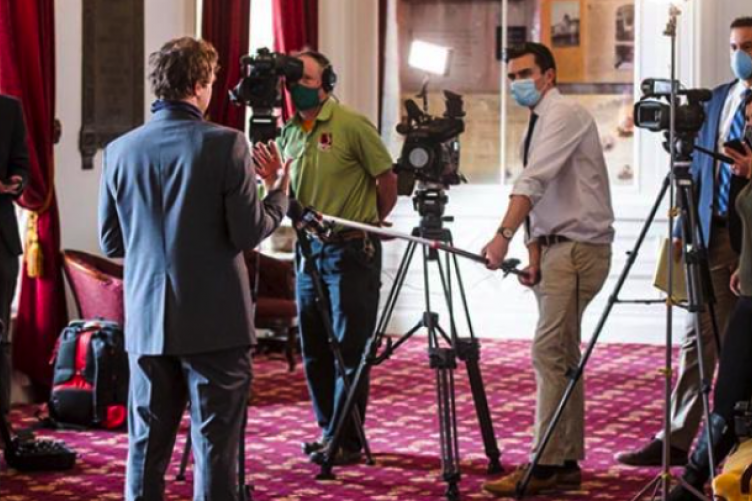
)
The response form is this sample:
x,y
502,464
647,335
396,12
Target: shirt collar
x,y
325,113
162,107
547,101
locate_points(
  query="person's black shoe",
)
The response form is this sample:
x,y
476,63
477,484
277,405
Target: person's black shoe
x,y
651,455
317,446
343,457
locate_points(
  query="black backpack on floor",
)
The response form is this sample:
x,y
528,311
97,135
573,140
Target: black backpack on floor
x,y
90,379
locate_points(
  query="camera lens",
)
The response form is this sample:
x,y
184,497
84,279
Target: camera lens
x,y
419,157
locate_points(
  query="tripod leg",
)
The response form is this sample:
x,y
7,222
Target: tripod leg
x,y
184,458
323,308
577,373
443,361
468,350
369,356
693,256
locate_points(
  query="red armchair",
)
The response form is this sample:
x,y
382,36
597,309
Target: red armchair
x,y
97,285
276,310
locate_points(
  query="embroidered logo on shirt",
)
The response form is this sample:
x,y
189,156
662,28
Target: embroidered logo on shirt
x,y
325,141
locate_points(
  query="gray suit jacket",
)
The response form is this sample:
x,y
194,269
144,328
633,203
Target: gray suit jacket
x,y
179,201
14,161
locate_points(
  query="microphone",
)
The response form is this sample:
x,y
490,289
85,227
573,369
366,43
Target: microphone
x,y
307,219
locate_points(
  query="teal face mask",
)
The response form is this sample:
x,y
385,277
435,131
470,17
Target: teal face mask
x,y
304,98
525,93
741,65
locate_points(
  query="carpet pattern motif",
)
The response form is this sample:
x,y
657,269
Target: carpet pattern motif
x,y
624,407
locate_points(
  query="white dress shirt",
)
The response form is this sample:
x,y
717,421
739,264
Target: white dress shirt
x,y
566,178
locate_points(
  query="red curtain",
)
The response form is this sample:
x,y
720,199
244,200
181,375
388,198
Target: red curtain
x,y
226,24
27,71
296,26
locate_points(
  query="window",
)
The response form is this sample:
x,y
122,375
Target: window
x,y
593,42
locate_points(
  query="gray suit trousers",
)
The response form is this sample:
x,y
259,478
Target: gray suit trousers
x,y
8,278
216,384
686,404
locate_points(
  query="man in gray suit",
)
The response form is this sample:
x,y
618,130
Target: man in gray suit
x,y
179,202
14,170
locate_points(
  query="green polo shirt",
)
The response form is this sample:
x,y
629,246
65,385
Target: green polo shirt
x,y
335,165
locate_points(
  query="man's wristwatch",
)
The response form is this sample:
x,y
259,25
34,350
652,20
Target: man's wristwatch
x,y
507,233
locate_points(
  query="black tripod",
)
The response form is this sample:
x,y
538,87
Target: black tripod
x,y
699,291
322,304
430,204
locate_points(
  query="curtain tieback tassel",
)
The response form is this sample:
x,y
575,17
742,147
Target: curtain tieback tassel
x,y
34,258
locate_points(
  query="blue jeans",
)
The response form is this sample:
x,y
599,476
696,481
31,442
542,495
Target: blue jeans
x,y
351,278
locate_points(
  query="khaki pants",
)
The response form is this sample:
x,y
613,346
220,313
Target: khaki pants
x,y
686,404
572,273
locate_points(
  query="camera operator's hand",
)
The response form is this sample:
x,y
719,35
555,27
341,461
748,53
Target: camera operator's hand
x,y
742,162
495,252
735,283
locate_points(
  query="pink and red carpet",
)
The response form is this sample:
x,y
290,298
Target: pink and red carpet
x,y
624,407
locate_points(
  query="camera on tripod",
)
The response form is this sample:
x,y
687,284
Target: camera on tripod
x,y
652,114
260,89
431,152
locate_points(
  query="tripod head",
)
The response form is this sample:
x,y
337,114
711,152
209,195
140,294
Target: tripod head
x,y
430,202
684,145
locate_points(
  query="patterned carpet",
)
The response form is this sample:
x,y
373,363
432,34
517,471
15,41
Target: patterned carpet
x,y
624,406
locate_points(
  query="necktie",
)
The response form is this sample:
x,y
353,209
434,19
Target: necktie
x,y
525,157
528,138
724,172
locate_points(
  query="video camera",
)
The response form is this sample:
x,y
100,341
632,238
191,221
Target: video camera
x,y
431,152
652,114
260,89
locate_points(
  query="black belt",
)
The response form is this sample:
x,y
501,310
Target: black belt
x,y
547,240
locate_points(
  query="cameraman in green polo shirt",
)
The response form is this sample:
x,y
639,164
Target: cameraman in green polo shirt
x,y
339,167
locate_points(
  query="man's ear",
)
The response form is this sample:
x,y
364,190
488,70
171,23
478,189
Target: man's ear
x,y
550,76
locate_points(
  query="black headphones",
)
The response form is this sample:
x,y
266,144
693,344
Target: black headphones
x,y
328,76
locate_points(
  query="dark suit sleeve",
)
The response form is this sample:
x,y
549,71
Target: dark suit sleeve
x,y
110,233
19,151
249,219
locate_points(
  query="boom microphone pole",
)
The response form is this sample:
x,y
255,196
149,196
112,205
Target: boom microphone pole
x,y
322,225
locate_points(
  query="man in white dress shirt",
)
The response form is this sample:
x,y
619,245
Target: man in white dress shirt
x,y
562,199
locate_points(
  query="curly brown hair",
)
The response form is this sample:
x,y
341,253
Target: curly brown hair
x,y
180,64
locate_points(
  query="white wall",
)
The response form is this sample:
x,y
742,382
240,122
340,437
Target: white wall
x,y
77,189
349,35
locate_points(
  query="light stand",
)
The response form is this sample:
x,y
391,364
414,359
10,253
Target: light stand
x,y
681,178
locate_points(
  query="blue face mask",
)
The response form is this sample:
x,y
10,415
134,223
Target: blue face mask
x,y
741,65
525,93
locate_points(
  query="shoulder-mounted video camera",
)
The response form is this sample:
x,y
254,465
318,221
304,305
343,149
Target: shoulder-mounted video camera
x,y
431,151
260,88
